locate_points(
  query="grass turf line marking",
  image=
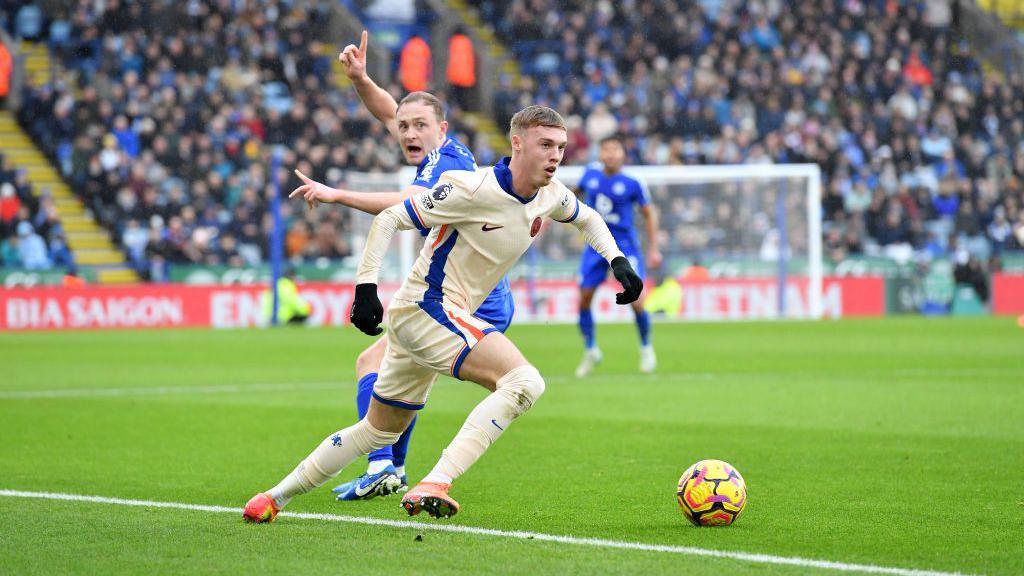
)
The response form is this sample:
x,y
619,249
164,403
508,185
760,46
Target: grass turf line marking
x,y
518,535
167,390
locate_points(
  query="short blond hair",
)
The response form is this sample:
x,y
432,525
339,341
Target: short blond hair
x,y
533,116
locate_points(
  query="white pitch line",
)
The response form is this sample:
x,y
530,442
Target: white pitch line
x,y
166,390
517,535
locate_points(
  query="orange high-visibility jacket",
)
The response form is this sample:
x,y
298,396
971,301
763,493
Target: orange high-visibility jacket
x,y
414,65
461,61
6,66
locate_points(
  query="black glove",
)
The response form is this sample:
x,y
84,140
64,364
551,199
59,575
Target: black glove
x,y
367,311
631,283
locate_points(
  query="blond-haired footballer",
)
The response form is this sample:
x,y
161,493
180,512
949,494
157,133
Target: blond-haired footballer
x,y
481,223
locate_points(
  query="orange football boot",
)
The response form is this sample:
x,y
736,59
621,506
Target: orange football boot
x,y
260,508
432,498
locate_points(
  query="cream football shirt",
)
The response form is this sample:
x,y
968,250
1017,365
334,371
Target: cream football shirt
x,y
479,229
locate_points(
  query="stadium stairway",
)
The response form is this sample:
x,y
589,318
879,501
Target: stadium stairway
x,y
88,241
37,62
482,123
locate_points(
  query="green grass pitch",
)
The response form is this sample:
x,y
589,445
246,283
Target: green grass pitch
x,y
895,443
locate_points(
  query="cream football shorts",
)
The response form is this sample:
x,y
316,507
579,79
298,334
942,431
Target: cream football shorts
x,y
425,339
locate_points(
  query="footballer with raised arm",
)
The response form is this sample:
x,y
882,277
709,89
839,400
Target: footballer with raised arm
x,y
418,122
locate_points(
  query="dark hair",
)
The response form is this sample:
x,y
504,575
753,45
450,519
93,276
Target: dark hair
x,y
533,116
614,138
425,98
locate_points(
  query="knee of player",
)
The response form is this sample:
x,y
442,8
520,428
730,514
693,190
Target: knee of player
x,y
369,360
525,384
586,298
375,438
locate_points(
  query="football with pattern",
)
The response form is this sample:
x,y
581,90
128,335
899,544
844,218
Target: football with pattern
x,y
712,493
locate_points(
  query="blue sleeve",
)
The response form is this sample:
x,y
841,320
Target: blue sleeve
x,y
643,196
436,165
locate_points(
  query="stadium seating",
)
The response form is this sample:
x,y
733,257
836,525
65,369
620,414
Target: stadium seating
x,y
176,108
917,142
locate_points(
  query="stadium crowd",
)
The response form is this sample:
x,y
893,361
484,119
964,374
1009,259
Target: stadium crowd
x,y
31,235
921,150
167,124
169,113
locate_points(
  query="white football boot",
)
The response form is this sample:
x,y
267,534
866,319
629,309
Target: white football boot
x,y
591,358
648,362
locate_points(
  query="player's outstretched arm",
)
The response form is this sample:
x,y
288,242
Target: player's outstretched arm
x,y
447,203
370,202
596,233
376,99
367,311
382,230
